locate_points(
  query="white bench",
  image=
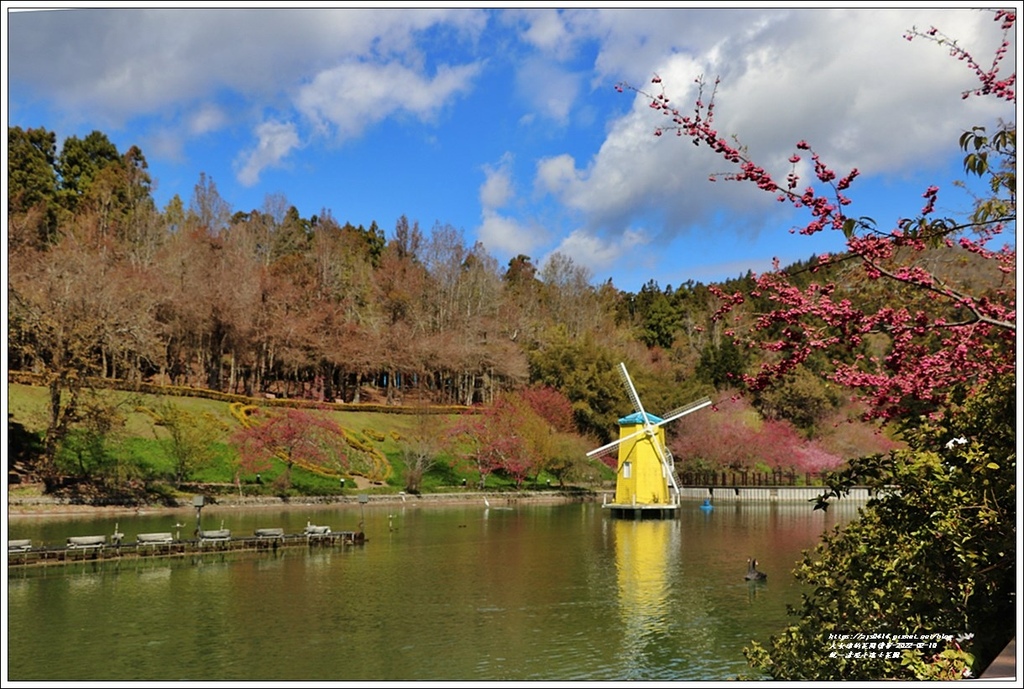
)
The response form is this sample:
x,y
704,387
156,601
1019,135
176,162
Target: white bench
x,y
19,546
218,535
312,531
270,534
77,542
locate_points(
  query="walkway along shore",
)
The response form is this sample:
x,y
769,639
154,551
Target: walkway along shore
x,y
49,506
35,506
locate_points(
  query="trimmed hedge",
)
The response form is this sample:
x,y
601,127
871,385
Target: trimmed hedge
x,y
28,378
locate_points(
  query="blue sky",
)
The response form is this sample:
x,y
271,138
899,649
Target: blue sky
x,y
503,121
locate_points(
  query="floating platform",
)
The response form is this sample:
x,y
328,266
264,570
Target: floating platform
x,y
23,553
668,511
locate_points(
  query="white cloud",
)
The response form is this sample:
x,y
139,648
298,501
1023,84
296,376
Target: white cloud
x,y
546,30
557,175
353,96
869,100
597,254
208,118
496,191
508,236
500,232
548,88
133,62
276,141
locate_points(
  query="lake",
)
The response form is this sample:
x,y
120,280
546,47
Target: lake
x,y
440,592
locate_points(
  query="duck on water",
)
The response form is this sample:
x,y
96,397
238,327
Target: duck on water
x,y
753,574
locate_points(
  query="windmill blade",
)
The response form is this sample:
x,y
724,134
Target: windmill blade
x,y
658,450
665,456
609,446
682,411
663,452
602,455
635,399
667,462
671,470
631,391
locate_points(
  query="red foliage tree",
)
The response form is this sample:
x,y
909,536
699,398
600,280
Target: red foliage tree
x,y
295,437
844,435
732,436
551,405
813,459
505,436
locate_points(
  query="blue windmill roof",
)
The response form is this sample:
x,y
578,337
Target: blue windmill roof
x,y
635,419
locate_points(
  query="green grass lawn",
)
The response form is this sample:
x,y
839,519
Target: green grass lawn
x,y
141,444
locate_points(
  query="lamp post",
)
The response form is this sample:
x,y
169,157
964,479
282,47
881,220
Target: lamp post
x,y
363,499
198,501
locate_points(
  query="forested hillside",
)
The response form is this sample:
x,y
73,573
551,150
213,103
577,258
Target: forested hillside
x,y
264,302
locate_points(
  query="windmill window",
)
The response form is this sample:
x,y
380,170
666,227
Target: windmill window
x,y
627,469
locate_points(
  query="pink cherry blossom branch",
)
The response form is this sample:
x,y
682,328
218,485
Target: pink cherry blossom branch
x,y
916,367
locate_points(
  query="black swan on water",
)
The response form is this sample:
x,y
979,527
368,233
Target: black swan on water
x,y
752,572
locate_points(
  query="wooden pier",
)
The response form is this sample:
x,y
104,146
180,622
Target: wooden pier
x,y
23,553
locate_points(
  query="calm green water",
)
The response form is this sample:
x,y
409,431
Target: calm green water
x,y
536,592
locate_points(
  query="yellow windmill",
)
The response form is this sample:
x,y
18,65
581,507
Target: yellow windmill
x,y
645,482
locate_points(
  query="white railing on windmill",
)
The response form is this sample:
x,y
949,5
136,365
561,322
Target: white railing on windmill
x,y
650,425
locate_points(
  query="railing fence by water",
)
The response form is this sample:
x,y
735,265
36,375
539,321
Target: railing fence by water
x,y
778,477
768,493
